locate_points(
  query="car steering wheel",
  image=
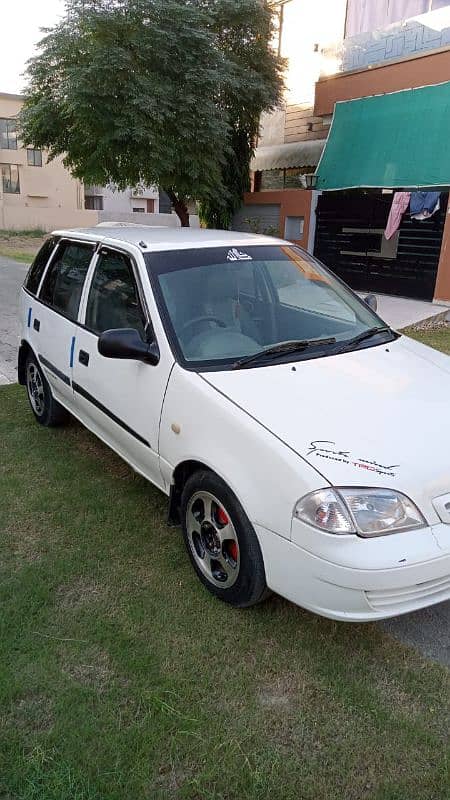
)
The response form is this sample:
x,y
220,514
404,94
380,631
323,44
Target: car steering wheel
x,y
205,318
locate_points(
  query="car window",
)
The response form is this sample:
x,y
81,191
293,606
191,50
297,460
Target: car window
x,y
113,300
63,282
38,266
307,288
220,304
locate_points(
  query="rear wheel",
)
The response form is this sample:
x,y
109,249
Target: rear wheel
x,y
221,542
46,409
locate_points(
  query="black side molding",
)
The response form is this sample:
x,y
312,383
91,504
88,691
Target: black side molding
x,y
46,363
79,390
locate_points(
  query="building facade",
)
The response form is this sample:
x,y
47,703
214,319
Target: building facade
x,y
339,53
143,200
39,194
34,193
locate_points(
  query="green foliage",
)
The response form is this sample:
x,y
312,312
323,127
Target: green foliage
x,y
153,91
244,30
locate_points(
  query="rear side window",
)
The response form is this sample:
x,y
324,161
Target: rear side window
x,y
38,266
65,277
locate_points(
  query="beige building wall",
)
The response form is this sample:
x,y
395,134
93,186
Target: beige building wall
x,y
49,196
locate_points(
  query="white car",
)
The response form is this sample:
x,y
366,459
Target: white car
x,y
304,445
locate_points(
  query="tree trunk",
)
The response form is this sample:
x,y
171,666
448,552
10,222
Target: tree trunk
x,y
180,208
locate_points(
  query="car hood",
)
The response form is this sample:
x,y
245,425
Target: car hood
x,y
378,416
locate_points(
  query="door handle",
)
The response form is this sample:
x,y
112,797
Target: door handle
x,y
83,357
36,325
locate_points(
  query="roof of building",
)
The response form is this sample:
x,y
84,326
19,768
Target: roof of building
x,y
285,156
159,238
8,96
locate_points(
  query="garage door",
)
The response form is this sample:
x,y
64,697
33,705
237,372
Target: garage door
x,y
258,219
349,240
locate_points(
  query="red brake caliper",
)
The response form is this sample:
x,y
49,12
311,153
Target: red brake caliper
x,y
231,546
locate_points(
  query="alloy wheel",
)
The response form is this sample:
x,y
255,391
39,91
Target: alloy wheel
x,y
35,386
212,539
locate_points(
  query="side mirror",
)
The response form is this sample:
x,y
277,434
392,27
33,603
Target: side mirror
x,y
126,343
371,301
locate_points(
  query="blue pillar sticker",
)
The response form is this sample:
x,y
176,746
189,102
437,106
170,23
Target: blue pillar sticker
x,y
72,350
29,317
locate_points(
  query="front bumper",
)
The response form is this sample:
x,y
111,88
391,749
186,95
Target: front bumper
x,y
358,580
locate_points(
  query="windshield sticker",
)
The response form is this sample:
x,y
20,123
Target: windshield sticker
x,y
237,255
320,450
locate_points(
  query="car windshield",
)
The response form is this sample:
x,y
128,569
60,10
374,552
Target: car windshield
x,y
221,305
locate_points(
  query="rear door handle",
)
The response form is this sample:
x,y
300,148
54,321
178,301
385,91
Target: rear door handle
x,y
36,325
83,357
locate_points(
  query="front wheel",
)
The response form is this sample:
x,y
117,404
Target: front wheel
x,y
221,542
46,409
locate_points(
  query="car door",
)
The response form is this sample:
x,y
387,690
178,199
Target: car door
x,y
52,322
120,400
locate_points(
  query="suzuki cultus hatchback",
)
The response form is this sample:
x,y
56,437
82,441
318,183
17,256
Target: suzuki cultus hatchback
x,y
303,444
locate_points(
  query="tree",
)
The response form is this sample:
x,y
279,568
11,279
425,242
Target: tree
x,y
244,30
133,91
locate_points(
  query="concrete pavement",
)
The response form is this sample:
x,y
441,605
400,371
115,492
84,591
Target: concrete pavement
x,y
428,630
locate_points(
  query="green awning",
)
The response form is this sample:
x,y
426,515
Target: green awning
x,y
393,141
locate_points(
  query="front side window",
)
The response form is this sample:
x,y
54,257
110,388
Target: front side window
x,y
8,134
221,305
38,266
34,158
10,178
113,300
63,282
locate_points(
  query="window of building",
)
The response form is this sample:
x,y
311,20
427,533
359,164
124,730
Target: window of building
x,y
8,134
364,16
273,179
34,157
10,178
93,202
38,266
113,300
63,282
139,210
293,228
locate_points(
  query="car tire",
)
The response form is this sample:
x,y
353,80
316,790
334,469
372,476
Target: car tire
x,y
221,543
47,411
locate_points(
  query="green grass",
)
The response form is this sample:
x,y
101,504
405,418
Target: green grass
x,y
438,338
32,233
122,679
17,255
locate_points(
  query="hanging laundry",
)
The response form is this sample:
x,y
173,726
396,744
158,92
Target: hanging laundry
x,y
424,204
400,203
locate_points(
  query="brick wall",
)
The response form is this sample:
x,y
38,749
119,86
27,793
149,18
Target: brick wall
x,y
301,125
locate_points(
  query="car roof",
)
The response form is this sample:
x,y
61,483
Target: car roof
x,y
148,238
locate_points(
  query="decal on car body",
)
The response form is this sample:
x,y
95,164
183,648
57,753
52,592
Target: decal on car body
x,y
318,448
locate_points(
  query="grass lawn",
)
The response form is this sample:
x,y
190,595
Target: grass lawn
x,y
122,679
21,245
438,338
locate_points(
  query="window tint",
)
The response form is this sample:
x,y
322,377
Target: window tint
x,y
38,266
64,280
113,300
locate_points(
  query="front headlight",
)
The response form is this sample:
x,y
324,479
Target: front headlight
x,y
368,512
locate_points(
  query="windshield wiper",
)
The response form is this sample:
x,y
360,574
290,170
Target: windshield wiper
x,y
293,346
362,337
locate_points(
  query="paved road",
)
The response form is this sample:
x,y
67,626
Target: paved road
x,y
11,278
428,630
